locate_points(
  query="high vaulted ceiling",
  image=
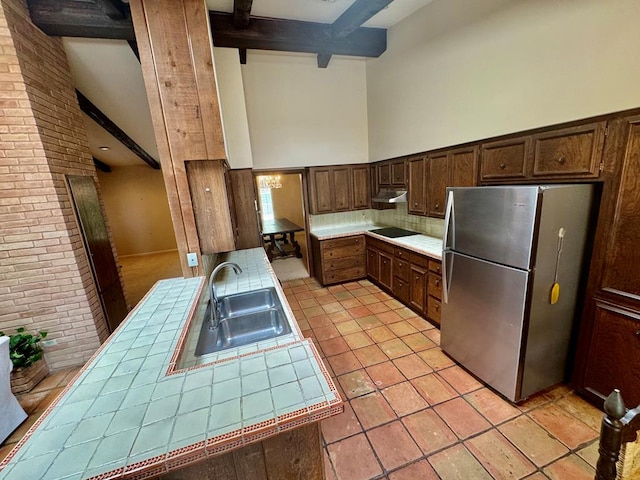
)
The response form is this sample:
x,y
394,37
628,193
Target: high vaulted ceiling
x,y
105,70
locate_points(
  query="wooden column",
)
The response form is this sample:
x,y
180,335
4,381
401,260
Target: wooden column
x,y
175,52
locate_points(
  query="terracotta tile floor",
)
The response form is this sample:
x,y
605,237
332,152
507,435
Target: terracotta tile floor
x,y
36,402
412,413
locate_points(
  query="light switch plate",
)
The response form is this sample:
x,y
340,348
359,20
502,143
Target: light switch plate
x,y
192,259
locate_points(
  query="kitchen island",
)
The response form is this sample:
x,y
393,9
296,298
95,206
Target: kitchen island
x,y
143,407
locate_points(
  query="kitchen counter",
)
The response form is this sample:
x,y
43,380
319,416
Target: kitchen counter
x,y
142,407
423,244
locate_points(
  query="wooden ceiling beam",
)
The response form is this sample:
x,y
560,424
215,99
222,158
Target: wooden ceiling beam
x,y
73,18
100,165
295,36
105,122
114,9
242,13
352,18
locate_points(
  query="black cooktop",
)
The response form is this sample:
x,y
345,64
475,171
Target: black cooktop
x,y
394,232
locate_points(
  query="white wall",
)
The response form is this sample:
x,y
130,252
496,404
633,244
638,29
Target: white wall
x,y
233,107
300,115
459,71
136,206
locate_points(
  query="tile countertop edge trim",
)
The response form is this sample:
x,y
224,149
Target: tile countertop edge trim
x,y
383,238
189,454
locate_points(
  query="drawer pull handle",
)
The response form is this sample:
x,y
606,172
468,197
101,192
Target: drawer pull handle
x,y
437,206
637,333
560,160
437,307
437,283
415,204
502,166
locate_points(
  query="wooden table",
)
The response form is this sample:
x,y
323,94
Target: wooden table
x,y
279,238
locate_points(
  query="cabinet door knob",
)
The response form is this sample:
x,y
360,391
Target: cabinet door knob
x,y
637,333
415,204
502,166
437,283
437,307
560,160
437,206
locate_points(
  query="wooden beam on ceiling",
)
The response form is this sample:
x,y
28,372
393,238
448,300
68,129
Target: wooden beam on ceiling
x,y
352,18
241,13
295,36
100,165
105,122
77,18
114,9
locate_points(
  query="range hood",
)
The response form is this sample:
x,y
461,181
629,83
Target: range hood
x,y
388,195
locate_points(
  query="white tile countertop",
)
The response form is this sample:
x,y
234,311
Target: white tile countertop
x,y
424,244
135,411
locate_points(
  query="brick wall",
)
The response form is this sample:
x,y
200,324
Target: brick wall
x,y
45,278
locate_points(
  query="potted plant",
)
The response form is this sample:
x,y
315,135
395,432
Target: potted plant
x,y
29,367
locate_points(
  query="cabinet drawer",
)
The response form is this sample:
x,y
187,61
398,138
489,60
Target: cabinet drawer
x,y
435,266
344,275
401,269
573,151
341,252
401,253
401,289
380,245
342,242
435,285
419,260
433,309
332,264
504,159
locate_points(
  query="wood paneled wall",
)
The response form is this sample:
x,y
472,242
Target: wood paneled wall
x,y
177,65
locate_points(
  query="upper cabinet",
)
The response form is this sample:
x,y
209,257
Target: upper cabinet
x,y
417,195
565,154
451,168
361,187
339,188
392,173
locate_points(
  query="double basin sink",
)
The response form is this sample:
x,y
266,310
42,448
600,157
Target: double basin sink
x,y
245,318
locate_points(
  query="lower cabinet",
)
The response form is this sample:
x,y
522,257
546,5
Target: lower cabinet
x,y
412,278
614,353
339,260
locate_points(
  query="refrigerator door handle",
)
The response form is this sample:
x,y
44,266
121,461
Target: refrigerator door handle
x,y
449,220
446,268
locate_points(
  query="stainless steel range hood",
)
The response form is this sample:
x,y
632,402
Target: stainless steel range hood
x,y
388,195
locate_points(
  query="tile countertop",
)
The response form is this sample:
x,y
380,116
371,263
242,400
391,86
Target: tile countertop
x,y
134,411
424,244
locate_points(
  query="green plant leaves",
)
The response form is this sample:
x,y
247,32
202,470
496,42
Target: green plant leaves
x,y
24,350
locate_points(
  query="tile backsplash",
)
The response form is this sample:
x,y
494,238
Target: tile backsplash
x,y
397,217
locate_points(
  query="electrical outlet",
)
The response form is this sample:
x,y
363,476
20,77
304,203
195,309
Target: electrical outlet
x,y
192,259
49,343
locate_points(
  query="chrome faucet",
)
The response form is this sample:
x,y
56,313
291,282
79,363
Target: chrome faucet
x,y
214,318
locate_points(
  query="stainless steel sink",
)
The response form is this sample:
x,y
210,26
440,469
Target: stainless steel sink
x,y
245,318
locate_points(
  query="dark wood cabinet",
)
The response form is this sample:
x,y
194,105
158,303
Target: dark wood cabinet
x,y
614,356
385,270
392,173
361,187
434,298
572,153
321,190
504,160
417,186
608,348
399,173
339,188
339,260
463,165
419,285
373,264
439,180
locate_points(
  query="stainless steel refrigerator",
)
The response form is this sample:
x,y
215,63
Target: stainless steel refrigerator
x,y
512,263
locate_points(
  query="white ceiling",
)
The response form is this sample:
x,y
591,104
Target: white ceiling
x,y
323,11
109,75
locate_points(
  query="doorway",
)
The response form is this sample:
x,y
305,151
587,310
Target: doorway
x,y
281,200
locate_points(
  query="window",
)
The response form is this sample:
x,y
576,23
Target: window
x,y
266,204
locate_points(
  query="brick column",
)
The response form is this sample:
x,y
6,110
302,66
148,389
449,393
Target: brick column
x,y
45,278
